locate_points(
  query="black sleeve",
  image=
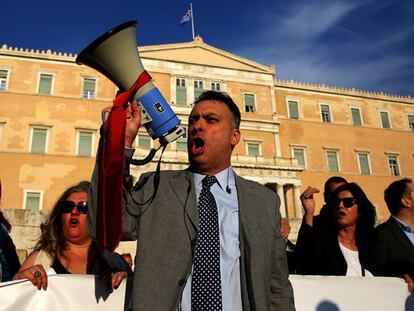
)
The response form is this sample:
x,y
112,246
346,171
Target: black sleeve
x,y
9,251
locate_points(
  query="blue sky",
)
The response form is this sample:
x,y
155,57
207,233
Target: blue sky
x,y
366,44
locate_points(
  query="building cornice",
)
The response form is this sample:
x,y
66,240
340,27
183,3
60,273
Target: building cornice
x,y
198,42
37,54
333,90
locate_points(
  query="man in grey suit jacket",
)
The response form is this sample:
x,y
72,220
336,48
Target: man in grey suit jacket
x,y
161,214
394,242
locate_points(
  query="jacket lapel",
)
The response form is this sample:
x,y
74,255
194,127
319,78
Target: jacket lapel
x,y
182,185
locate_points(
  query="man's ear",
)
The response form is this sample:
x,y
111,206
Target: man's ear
x,y
405,202
235,137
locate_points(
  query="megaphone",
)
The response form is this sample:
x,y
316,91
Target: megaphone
x,y
115,55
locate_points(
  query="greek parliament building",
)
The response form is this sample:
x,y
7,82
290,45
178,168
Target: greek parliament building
x,y
293,134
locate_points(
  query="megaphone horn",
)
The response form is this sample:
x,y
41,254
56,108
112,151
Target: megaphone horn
x,y
115,55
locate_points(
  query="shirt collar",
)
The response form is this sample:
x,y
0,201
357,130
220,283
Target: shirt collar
x,y
403,225
224,178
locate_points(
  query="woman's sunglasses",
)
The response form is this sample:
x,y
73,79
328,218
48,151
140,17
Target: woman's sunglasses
x,y
68,206
348,202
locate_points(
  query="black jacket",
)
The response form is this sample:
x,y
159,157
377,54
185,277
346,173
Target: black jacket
x,y
394,252
11,260
318,252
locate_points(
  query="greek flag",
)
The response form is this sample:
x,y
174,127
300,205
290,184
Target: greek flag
x,y
186,18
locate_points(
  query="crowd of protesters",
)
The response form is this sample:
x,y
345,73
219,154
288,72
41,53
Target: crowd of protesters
x,y
343,239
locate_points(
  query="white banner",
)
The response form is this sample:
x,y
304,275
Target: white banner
x,y
343,293
312,293
64,293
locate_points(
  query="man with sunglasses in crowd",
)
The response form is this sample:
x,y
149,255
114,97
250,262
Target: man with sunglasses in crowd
x,y
394,242
204,212
326,213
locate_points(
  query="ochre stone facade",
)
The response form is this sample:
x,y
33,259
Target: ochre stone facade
x,y
348,140
264,154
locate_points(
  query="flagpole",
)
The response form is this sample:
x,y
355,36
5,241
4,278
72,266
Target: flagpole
x,y
192,18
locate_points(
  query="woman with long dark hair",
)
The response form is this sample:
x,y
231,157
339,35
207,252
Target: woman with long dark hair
x,y
346,246
65,244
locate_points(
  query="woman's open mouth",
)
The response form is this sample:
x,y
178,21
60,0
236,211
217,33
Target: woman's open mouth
x,y
73,222
340,214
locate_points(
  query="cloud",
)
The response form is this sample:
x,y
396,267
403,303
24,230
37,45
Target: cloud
x,y
309,20
340,43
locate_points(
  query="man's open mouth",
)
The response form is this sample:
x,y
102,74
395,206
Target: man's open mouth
x,y
197,145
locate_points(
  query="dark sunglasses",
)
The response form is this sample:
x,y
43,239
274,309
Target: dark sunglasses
x,y
68,206
348,202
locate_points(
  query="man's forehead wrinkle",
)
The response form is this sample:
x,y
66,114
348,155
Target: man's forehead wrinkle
x,y
204,114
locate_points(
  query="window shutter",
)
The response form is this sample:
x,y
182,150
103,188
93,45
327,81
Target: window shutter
x,y
364,164
356,116
293,110
32,201
144,142
85,144
181,92
45,84
385,120
249,103
39,141
300,156
332,161
198,88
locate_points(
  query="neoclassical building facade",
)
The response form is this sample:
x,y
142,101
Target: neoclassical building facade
x,y
293,134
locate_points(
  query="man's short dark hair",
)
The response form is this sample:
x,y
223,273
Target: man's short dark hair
x,y
333,180
394,193
225,99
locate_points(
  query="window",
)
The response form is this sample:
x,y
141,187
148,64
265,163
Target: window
x,y
299,154
45,84
332,158
293,109
325,113
198,88
143,141
89,88
181,142
216,86
39,139
253,149
393,165
356,116
363,160
32,200
181,92
411,121
249,103
85,144
3,79
385,121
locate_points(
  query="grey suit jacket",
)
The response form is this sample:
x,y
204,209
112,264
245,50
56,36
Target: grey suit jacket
x,y
394,253
163,219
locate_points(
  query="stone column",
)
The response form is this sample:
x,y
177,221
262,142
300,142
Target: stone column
x,y
296,200
281,194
